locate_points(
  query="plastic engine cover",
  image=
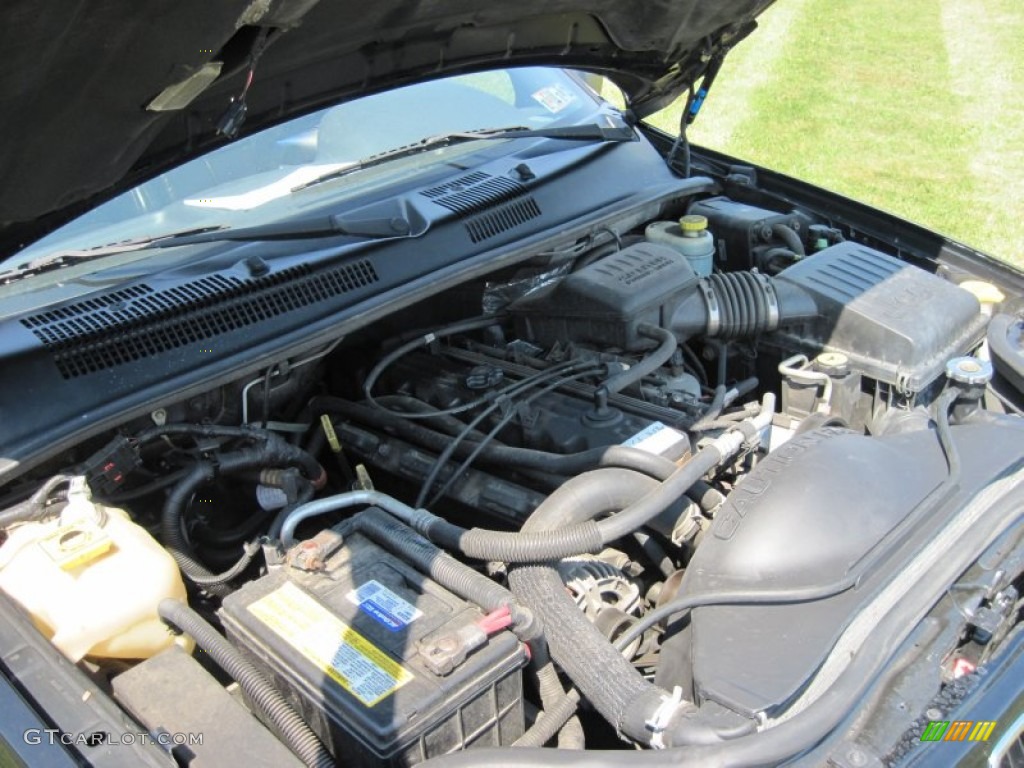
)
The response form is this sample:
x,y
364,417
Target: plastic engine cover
x,y
815,508
605,301
897,323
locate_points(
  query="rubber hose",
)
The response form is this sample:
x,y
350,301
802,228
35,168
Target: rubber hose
x,y
174,539
688,602
736,305
808,728
614,687
265,697
651,362
788,235
605,489
707,498
661,497
655,553
34,507
398,509
718,401
742,304
579,538
450,573
273,453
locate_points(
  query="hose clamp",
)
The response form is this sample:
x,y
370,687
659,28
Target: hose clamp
x,y
771,298
663,715
714,310
421,521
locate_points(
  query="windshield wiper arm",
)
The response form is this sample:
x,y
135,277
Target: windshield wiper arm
x,y
66,258
321,226
612,131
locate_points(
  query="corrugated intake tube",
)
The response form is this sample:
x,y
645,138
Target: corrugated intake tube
x,y
734,305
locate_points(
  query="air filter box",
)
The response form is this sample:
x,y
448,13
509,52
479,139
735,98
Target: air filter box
x,y
604,302
897,323
343,643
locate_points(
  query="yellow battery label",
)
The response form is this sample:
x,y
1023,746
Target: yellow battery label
x,y
356,664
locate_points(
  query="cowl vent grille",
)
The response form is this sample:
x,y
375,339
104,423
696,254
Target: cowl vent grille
x,y
455,186
504,217
490,204
140,322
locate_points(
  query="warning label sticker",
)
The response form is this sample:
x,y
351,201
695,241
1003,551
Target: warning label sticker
x,y
343,654
384,605
657,438
554,98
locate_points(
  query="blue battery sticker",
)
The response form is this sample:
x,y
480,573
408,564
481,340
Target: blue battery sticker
x,y
385,606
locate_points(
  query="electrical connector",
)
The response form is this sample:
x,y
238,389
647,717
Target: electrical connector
x,y
107,470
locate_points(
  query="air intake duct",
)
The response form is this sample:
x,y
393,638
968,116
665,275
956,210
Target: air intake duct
x,y
606,302
737,305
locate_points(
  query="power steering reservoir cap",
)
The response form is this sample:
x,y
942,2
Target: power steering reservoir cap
x,y
694,223
969,370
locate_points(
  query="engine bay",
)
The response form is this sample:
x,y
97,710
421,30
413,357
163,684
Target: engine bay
x,y
644,490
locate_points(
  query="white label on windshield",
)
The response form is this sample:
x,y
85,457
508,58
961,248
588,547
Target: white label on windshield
x,y
554,98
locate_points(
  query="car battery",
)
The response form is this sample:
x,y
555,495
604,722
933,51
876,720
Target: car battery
x,y
348,636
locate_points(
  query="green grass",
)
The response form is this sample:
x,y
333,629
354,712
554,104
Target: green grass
x,y
916,107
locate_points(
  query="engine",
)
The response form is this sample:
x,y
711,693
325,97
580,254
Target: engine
x,y
666,477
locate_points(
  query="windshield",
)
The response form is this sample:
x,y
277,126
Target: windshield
x,y
261,177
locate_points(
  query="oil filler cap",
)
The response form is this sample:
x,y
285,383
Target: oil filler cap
x,y
970,371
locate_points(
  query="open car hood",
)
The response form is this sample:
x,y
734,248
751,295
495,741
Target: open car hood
x,y
99,96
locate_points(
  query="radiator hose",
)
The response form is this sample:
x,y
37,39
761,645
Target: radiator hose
x,y
272,453
585,535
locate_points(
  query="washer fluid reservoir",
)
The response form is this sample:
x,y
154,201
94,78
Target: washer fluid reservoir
x,y
91,580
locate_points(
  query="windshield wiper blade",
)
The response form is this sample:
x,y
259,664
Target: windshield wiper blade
x,y
66,258
317,227
613,131
610,131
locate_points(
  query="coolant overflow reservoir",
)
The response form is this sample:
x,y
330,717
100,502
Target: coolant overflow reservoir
x,y
92,579
690,237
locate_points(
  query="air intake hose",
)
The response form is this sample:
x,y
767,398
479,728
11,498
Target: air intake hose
x,y
735,305
615,301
